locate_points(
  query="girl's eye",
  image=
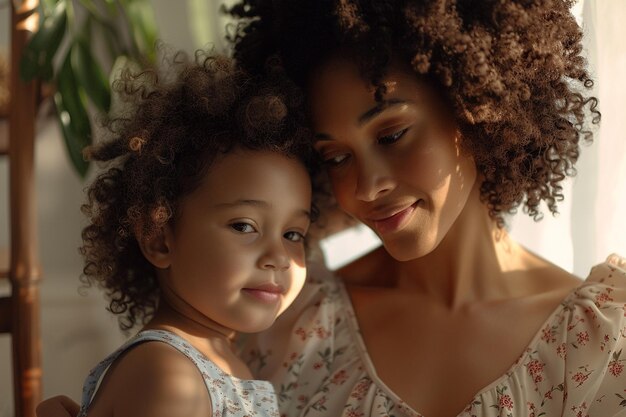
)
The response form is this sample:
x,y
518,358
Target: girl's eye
x,y
393,138
294,236
242,227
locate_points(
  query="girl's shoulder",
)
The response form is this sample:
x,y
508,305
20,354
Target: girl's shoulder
x,y
148,379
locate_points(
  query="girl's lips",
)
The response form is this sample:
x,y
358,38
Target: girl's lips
x,y
395,222
265,293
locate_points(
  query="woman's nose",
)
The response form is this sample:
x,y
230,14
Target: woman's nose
x,y
374,179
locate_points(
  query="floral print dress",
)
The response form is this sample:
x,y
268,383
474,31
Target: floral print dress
x,y
230,396
574,366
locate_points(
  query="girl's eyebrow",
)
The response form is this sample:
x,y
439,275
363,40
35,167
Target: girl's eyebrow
x,y
244,202
368,115
255,203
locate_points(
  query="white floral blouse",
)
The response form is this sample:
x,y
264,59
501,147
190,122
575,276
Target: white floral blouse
x,y
574,366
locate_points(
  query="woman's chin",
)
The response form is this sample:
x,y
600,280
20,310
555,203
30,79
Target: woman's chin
x,y
409,248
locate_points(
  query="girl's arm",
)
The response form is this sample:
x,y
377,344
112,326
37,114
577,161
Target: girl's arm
x,y
155,380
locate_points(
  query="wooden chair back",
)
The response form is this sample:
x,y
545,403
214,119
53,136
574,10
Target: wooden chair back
x,y
19,312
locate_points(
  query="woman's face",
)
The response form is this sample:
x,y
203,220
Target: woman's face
x,y
396,166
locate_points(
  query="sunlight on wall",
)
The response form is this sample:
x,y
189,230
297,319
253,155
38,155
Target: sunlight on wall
x,y
343,247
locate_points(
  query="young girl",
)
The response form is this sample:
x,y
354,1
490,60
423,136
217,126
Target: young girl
x,y
197,229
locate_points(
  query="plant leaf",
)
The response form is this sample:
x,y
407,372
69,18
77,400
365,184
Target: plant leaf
x,y
49,5
142,22
90,75
72,115
71,138
111,7
38,54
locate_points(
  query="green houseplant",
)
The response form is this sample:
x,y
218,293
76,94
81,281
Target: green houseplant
x,y
61,53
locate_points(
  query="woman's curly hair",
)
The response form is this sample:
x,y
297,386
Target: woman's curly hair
x,y
179,121
511,70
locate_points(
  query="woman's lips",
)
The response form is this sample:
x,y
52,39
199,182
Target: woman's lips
x,y
395,222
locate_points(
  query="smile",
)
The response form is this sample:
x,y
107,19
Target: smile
x,y
396,221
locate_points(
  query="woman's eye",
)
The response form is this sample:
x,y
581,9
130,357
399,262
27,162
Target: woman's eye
x,y
393,138
294,236
242,227
335,160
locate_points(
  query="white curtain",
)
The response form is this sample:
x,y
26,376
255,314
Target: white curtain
x,y
592,220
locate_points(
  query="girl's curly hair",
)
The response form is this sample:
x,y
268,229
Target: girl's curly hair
x,y
178,123
511,70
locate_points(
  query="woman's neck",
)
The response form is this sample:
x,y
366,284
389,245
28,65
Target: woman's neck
x,y
470,263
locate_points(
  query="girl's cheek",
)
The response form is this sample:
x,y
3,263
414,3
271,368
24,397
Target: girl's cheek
x,y
297,255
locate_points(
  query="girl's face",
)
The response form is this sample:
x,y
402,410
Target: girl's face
x,y
236,250
397,167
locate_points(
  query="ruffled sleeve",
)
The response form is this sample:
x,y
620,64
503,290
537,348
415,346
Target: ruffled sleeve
x,y
300,353
596,350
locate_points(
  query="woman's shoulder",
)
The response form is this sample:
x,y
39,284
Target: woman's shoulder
x,y
604,288
601,298
591,321
580,353
611,273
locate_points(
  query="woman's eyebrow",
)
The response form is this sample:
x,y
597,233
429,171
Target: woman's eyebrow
x,y
368,115
322,136
376,110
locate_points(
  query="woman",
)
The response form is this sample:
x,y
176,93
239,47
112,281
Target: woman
x,y
435,120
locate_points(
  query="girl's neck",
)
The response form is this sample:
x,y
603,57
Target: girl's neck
x,y
201,327
209,337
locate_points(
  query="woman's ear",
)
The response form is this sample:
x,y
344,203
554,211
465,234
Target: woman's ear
x,y
156,248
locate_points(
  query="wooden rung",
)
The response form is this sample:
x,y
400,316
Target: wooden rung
x,y
4,263
4,137
5,315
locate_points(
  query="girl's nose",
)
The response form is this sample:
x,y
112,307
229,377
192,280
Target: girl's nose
x,y
275,257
